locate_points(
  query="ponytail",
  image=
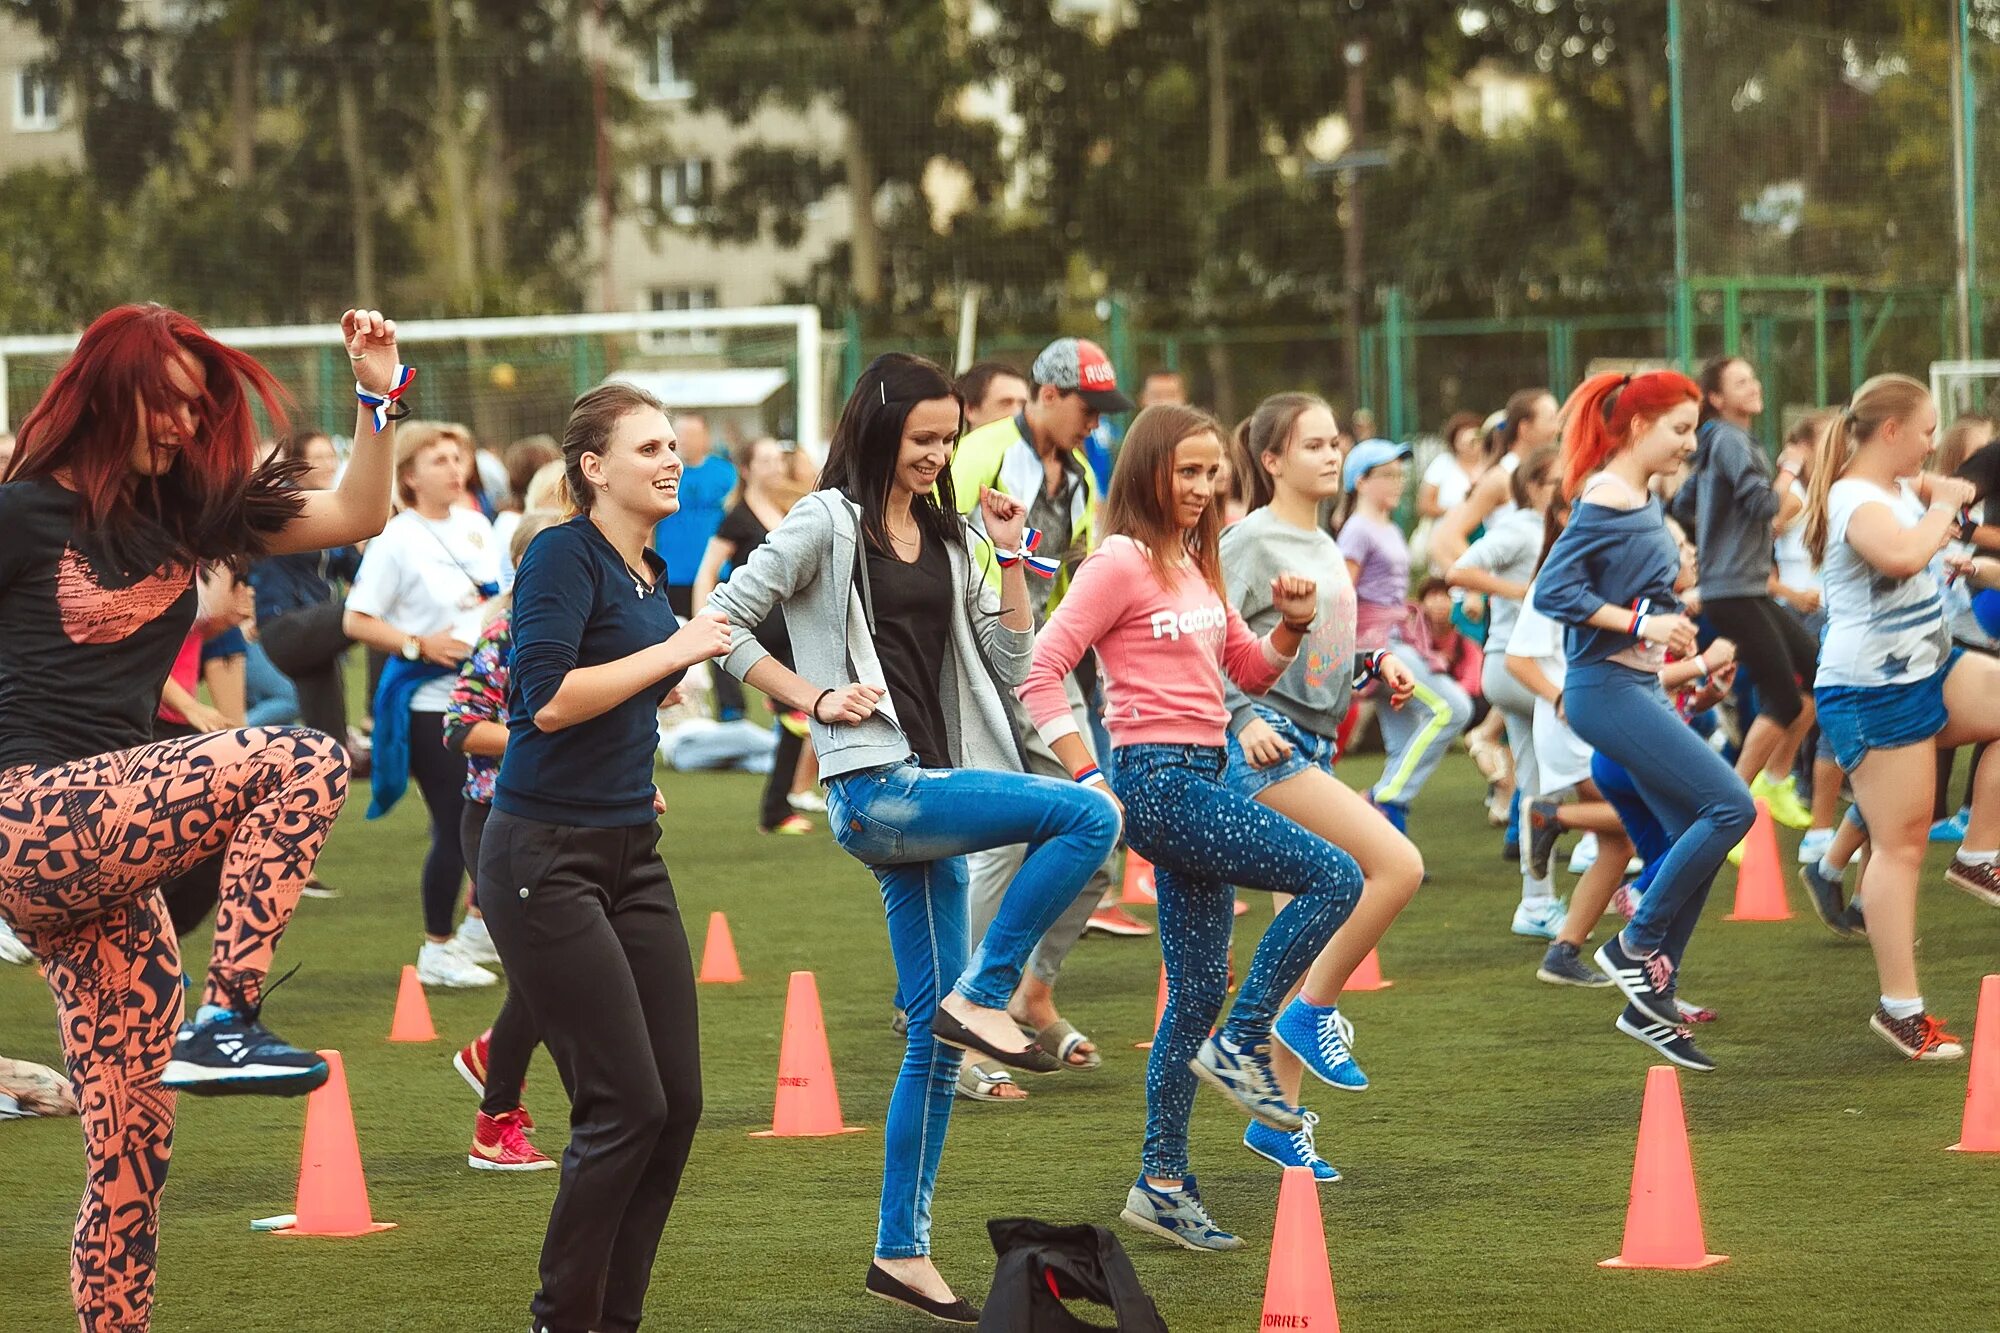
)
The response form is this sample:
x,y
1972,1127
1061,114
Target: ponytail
x,y
1882,399
1597,419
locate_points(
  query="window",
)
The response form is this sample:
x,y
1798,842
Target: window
x,y
37,101
658,78
664,341
677,190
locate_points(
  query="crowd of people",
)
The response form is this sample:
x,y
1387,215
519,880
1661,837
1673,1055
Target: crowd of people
x,y
1010,645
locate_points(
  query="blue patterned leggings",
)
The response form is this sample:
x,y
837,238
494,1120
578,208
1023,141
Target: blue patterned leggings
x,y
1202,838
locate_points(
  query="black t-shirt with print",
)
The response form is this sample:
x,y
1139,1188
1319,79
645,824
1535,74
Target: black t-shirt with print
x,y
912,622
84,649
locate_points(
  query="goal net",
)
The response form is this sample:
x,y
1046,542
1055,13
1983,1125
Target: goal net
x,y
1965,388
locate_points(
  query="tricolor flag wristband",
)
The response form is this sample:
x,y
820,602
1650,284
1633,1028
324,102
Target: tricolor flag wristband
x,y
1091,776
379,403
1042,565
1368,667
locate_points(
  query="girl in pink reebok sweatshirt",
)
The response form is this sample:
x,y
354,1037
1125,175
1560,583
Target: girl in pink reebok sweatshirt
x,y
1150,602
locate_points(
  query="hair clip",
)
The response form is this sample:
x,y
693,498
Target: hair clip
x,y
882,391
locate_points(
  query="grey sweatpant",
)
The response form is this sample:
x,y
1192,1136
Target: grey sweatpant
x,y
993,870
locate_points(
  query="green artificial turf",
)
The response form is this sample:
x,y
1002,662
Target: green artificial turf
x,y
1487,1168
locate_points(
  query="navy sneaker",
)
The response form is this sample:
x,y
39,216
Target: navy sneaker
x,y
1544,830
1243,1074
1669,1039
1647,982
1828,898
1293,1149
1323,1040
231,1052
1177,1215
1563,965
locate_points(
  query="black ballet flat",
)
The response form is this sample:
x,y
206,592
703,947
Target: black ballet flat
x,y
881,1284
1035,1058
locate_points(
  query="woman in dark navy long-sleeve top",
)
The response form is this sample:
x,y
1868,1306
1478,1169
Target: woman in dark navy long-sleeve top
x,y
578,900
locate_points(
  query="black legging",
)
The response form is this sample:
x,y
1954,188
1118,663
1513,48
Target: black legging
x,y
307,645
440,776
514,1037
1774,649
775,807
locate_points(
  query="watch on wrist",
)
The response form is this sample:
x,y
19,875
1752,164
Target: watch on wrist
x,y
412,648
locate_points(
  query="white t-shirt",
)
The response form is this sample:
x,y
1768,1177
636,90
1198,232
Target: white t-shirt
x,y
1509,464
1450,477
422,576
505,523
1562,755
1794,562
1879,630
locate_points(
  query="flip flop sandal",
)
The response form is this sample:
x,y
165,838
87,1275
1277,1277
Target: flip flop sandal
x,y
982,1083
1062,1037
951,1032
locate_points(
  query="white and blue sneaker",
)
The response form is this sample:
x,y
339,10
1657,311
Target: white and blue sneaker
x,y
1813,845
1176,1215
228,1051
1584,855
1648,981
1323,1040
1243,1074
1293,1149
1539,918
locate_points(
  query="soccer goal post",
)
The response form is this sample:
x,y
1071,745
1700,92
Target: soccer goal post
x,y
1960,388
753,370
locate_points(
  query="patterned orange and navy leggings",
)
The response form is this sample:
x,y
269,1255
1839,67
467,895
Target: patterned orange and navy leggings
x,y
84,848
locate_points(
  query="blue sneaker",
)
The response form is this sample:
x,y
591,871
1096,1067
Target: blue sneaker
x,y
1322,1039
1294,1149
229,1051
1176,1215
1243,1074
1396,812
1952,829
1828,898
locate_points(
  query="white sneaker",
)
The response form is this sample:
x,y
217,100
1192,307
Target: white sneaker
x,y
807,802
11,948
442,965
1585,855
1813,846
474,943
1539,918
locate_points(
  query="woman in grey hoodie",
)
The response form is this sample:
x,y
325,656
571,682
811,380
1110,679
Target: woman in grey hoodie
x,y
902,649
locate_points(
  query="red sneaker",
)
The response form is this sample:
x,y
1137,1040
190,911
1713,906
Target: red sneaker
x,y
1116,921
499,1145
470,1062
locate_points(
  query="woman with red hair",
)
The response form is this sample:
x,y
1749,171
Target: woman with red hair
x,y
137,465
1610,579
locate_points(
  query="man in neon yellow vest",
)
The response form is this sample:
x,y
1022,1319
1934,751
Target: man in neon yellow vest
x,y
1037,456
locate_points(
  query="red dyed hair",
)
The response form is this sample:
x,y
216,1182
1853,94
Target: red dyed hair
x,y
214,502
1597,419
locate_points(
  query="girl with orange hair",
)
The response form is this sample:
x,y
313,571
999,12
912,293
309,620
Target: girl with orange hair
x,y
1610,579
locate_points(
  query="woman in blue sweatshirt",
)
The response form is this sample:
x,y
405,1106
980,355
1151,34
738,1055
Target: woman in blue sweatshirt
x,y
576,896
1610,580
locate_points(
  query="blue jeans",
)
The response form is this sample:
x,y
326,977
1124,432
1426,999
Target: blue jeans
x,y
1202,837
270,698
1697,798
1309,750
1648,835
912,827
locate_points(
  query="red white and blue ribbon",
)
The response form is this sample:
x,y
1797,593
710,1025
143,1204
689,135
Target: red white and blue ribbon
x,y
1040,564
1368,667
379,402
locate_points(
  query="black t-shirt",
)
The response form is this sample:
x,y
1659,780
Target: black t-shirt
x,y
912,625
84,648
1983,471
742,529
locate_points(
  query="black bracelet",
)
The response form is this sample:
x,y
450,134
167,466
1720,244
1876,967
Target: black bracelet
x,y
815,708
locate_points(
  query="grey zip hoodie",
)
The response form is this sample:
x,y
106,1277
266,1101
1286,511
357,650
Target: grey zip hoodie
x,y
808,566
1734,506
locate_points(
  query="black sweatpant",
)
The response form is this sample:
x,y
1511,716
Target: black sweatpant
x,y
775,808
587,925
514,1037
440,775
308,645
1774,649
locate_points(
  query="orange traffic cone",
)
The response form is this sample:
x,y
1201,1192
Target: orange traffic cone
x,y
413,1012
333,1193
1298,1288
1368,976
1981,1130
1663,1220
718,955
808,1104
1159,1011
1760,880
1138,880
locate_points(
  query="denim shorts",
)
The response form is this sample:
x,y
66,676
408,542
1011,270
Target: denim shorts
x,y
1309,750
1855,719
